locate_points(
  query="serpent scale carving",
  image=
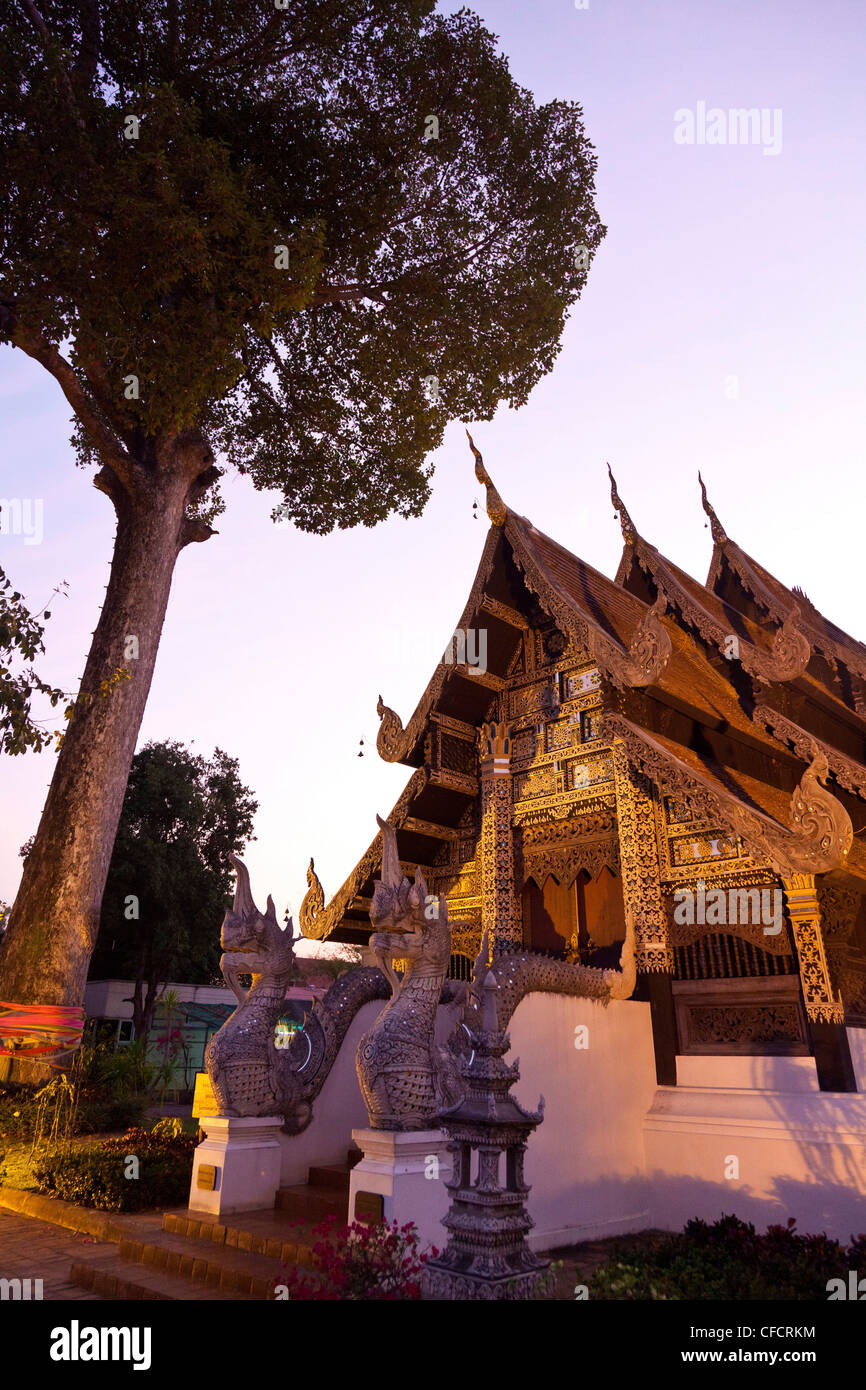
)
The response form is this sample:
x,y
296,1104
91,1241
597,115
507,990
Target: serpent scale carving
x,y
250,1075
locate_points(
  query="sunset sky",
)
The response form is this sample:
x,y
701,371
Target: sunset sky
x,y
722,328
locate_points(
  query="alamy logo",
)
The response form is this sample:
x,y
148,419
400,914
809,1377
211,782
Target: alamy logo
x,y
20,1289
739,125
76,1343
855,1291
468,647
736,907
22,516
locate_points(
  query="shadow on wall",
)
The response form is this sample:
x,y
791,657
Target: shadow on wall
x,y
831,1208
818,1208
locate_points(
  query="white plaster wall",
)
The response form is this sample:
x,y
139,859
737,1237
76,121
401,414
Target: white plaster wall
x,y
585,1161
749,1073
617,1153
798,1153
857,1044
337,1110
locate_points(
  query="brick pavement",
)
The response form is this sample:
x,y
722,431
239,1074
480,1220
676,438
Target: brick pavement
x,y
31,1249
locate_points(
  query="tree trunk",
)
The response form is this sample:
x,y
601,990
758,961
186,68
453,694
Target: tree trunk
x,y
145,998
46,949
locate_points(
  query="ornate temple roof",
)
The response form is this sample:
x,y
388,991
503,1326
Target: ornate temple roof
x,y
735,695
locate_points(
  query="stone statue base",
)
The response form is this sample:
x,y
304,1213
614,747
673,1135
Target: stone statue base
x,y
407,1169
246,1153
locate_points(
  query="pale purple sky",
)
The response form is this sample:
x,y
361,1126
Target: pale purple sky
x,y
721,261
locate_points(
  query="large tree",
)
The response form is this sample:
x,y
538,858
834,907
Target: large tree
x,y
252,231
170,878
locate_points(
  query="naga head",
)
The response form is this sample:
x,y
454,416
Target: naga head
x,y
398,905
246,929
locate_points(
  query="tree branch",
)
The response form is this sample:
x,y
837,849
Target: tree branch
x,y
106,445
33,14
87,63
335,294
192,529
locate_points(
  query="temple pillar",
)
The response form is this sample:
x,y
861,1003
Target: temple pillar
x,y
641,891
499,909
825,1014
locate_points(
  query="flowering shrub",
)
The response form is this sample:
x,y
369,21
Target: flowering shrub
x,y
359,1262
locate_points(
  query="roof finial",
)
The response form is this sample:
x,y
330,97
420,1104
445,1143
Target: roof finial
x,y
496,508
629,530
716,526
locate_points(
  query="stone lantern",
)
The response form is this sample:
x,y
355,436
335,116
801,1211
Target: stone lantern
x,y
487,1256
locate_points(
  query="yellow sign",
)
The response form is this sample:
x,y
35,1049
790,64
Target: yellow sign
x,y
206,1177
204,1102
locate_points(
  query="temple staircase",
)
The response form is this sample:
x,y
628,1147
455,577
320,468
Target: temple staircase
x,y
183,1255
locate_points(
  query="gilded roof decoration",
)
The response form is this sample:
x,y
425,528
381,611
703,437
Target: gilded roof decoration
x,y
629,530
789,653
496,508
318,921
718,531
750,758
819,833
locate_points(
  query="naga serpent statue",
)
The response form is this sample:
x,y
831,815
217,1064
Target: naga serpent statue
x,y
405,1077
250,1075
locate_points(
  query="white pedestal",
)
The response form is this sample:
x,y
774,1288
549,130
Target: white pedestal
x,y
246,1155
408,1170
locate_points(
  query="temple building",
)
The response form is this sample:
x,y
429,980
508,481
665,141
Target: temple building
x,y
691,754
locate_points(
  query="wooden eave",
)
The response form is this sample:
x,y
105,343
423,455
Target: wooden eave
x,y
759,814
732,570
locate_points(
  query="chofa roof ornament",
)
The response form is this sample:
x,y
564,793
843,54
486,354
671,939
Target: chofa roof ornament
x,y
629,530
718,530
496,508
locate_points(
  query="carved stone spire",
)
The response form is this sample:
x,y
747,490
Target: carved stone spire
x,y
719,534
496,508
487,1257
629,530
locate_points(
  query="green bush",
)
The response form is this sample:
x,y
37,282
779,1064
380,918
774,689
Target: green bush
x,y
98,1110
124,1071
95,1175
727,1259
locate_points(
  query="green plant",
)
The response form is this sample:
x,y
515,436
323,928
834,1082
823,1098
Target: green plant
x,y
726,1259
125,1071
98,1109
56,1106
101,1175
169,1125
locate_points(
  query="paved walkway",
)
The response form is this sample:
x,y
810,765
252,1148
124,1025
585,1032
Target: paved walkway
x,y
31,1249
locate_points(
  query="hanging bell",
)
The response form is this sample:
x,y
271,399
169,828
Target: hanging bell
x,y
475,510
361,750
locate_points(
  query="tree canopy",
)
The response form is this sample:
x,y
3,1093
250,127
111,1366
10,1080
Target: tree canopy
x,y
170,878
290,237
182,143
21,642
